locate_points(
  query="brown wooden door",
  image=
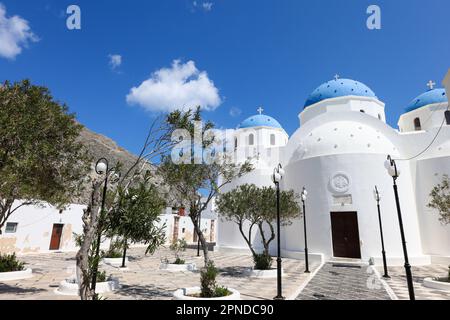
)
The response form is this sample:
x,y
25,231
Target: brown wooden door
x,y
56,236
346,243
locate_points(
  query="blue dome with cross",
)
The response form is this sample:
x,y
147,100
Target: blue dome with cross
x,y
260,120
432,96
339,88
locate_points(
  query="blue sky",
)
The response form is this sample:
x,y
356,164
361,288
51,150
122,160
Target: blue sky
x,y
255,52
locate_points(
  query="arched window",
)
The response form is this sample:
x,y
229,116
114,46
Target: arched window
x,y
417,125
251,139
272,139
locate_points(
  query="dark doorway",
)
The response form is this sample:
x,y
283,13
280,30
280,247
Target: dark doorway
x,y
55,241
345,233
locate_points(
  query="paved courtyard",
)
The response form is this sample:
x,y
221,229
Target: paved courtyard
x,y
339,281
145,281
399,286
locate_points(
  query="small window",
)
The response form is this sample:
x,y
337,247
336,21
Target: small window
x,y
235,143
417,124
272,139
11,227
362,111
183,230
251,139
379,117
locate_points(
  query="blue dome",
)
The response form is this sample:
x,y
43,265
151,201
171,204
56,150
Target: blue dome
x,y
429,97
339,88
260,120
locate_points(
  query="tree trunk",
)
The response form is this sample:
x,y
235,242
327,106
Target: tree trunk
x,y
249,239
5,212
90,225
201,237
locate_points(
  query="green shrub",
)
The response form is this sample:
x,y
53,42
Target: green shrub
x,y
209,287
208,280
115,250
9,263
101,276
222,292
177,247
262,261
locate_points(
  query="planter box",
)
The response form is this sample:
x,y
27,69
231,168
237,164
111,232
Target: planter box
x,y
264,274
178,267
16,275
115,262
434,283
67,288
185,294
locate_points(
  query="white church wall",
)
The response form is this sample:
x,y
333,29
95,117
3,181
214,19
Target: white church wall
x,y
435,235
363,173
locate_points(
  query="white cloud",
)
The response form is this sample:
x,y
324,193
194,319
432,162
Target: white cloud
x,y
115,61
182,86
207,6
235,112
15,34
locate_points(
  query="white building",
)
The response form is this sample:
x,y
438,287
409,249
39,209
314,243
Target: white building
x,y
338,154
42,229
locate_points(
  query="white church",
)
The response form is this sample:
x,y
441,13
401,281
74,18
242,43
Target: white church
x,y
338,154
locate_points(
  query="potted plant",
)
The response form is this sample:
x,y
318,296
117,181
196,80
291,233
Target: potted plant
x,y
209,289
70,287
114,256
13,269
178,264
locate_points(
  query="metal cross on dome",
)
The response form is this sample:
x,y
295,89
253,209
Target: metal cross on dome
x,y
431,84
336,77
260,110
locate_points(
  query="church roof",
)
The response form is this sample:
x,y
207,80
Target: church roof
x,y
430,97
339,88
260,120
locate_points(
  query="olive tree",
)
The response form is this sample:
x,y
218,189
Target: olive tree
x,y
41,158
440,200
251,207
136,218
196,182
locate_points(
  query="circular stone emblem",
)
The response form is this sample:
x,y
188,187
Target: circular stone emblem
x,y
340,182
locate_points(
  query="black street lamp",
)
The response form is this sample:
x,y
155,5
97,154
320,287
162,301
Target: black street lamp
x,y
278,174
304,194
383,252
101,168
394,173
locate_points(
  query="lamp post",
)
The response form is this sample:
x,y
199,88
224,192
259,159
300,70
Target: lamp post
x,y
304,194
101,168
394,173
383,252
278,174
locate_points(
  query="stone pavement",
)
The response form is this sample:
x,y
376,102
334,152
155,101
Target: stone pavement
x,y
399,286
340,281
145,281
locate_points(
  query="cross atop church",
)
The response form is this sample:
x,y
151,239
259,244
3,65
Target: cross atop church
x,y
431,84
260,110
336,77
